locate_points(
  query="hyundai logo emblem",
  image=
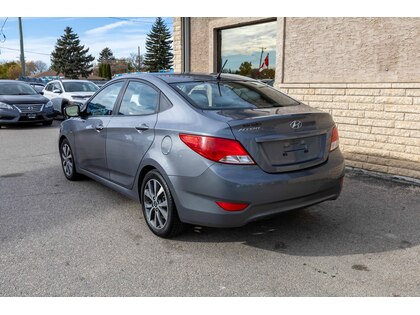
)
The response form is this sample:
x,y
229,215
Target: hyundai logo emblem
x,y
296,124
30,108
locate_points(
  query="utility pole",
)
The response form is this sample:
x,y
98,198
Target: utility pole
x,y
22,55
262,51
139,63
259,66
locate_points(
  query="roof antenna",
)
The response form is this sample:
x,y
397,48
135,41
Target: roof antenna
x,y
221,70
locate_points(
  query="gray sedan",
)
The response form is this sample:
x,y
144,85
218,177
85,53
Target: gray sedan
x,y
209,150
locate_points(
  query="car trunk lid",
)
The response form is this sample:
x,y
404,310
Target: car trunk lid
x,y
284,138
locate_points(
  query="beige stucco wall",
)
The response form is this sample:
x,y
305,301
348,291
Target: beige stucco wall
x,y
352,50
363,71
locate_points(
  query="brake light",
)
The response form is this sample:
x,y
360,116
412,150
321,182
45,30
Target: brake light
x,y
334,139
230,206
217,149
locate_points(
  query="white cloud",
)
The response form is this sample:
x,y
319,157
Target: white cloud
x,y
107,27
249,39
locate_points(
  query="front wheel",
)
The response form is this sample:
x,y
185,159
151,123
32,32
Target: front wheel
x,y
67,161
158,206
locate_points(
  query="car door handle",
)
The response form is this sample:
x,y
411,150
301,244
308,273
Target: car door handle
x,y
142,127
99,128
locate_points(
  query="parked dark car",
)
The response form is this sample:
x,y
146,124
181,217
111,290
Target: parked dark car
x,y
203,149
20,103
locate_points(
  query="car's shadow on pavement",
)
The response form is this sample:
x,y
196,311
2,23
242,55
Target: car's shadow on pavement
x,y
370,216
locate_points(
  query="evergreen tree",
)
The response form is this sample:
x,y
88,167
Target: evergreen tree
x,y
101,70
107,71
158,47
70,57
106,56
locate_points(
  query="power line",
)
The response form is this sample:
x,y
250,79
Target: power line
x,y
27,51
2,40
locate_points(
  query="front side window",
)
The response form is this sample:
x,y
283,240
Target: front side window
x,y
49,87
250,50
57,86
139,99
103,103
232,95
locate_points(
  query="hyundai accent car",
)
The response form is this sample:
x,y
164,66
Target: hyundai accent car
x,y
20,103
209,150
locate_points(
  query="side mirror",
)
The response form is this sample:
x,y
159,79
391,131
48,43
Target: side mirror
x,y
57,91
41,92
72,110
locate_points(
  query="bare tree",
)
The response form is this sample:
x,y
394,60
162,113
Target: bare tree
x,y
40,66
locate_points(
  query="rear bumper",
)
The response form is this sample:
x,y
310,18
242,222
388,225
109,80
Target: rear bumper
x,y
12,117
266,194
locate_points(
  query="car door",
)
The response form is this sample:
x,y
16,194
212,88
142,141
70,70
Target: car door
x,y
55,89
90,139
48,90
130,131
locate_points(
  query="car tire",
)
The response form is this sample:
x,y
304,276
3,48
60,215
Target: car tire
x,y
67,161
156,200
47,123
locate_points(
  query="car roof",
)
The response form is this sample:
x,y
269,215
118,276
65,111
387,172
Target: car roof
x,y
185,77
69,80
13,81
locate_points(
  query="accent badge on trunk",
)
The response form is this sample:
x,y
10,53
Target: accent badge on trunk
x,y
296,124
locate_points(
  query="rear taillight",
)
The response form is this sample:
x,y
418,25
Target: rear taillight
x,y
217,149
231,206
334,139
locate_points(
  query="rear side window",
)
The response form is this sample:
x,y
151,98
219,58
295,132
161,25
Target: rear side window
x,y
103,103
232,95
139,99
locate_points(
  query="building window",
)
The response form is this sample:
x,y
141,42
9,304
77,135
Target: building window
x,y
250,50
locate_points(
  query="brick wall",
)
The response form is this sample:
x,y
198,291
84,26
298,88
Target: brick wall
x,y
379,124
177,44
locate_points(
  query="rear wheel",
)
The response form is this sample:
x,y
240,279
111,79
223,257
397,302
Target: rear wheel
x,y
67,161
158,206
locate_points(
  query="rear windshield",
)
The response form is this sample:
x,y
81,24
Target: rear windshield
x,y
16,89
232,95
80,86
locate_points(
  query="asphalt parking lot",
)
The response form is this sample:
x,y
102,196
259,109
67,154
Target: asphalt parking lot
x,y
61,238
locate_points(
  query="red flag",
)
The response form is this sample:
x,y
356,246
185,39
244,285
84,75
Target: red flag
x,y
264,64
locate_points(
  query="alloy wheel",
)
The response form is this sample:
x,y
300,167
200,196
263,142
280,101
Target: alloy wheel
x,y
156,204
67,159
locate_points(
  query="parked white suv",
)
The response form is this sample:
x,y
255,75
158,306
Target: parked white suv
x,y
66,92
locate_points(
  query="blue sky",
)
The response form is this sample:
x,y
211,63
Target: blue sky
x,y
122,35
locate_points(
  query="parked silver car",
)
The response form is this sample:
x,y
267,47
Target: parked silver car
x,y
211,150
